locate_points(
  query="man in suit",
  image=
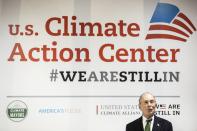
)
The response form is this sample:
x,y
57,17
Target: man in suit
x,y
148,121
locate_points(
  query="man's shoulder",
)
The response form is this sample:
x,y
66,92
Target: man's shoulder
x,y
159,119
135,123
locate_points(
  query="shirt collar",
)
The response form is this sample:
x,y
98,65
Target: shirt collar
x,y
144,121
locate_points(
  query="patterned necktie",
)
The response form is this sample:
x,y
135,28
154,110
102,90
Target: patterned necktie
x,y
147,127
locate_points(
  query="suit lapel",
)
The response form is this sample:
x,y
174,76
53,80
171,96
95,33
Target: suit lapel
x,y
156,124
141,125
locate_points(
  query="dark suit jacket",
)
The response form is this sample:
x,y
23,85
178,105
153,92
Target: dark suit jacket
x,y
158,125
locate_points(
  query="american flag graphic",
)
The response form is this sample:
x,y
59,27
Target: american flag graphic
x,y
168,22
162,106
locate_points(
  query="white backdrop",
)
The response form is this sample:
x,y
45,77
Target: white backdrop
x,y
93,105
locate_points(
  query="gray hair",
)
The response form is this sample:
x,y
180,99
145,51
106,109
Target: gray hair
x,y
145,94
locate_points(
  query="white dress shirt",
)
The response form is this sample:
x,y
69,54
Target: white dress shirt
x,y
151,123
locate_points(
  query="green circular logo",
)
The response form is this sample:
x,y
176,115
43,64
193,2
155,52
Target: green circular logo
x,y
17,111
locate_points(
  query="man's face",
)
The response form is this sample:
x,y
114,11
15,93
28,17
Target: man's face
x,y
147,105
